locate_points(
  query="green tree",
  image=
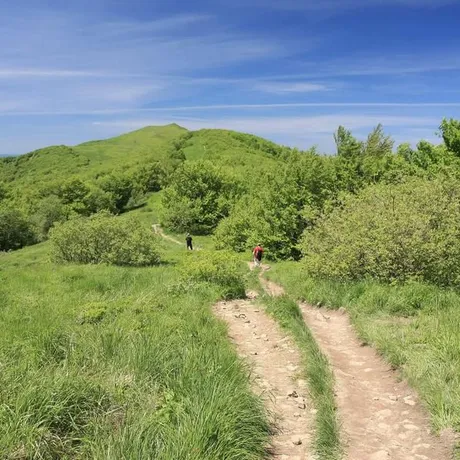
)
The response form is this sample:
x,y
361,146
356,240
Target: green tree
x,y
15,230
48,211
72,191
103,238
450,131
377,144
120,186
347,145
199,196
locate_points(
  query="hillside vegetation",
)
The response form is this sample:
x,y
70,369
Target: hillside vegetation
x,y
110,346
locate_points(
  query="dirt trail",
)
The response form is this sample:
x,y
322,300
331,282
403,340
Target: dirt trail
x,y
159,231
381,417
276,369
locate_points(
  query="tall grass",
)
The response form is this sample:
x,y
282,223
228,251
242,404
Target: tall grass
x,y
118,363
414,326
318,373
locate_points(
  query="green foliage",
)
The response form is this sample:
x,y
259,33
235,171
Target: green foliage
x,y
198,197
48,211
450,130
347,145
391,233
150,177
275,213
426,155
120,186
377,144
15,230
72,191
99,200
104,239
217,267
3,192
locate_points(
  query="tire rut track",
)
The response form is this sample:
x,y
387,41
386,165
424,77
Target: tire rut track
x,y
381,417
276,366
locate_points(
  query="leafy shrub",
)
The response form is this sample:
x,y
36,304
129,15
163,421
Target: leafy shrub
x,y
120,186
15,231
103,238
402,232
48,211
218,267
198,197
274,214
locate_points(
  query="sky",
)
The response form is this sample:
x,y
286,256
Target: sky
x,y
288,70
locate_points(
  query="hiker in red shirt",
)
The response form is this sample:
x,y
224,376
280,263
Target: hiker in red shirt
x,y
258,253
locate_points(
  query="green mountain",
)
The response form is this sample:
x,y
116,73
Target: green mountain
x,y
92,159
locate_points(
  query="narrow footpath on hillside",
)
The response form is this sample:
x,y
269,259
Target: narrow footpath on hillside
x,y
381,417
159,231
276,374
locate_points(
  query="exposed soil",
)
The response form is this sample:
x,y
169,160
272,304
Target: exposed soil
x,y
276,370
381,416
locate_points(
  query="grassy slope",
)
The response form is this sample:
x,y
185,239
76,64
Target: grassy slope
x,y
238,152
241,153
88,159
112,363
415,327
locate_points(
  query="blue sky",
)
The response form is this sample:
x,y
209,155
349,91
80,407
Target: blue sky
x,y
288,70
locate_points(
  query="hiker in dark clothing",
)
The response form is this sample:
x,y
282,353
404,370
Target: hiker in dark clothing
x,y
188,239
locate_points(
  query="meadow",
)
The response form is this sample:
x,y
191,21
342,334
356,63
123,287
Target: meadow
x,y
110,362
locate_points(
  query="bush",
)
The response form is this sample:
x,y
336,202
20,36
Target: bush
x,y
391,233
15,231
48,211
199,196
103,238
219,267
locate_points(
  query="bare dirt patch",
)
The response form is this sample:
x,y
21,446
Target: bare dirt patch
x,y
276,367
381,417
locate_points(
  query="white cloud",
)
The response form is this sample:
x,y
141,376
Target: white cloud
x,y
300,131
104,94
168,24
46,73
290,87
68,46
285,125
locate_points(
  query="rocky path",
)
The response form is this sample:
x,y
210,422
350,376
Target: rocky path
x,y
276,368
381,417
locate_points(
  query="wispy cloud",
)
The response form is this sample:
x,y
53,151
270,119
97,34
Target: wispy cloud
x,y
290,87
300,131
168,24
50,73
136,93
340,5
287,125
